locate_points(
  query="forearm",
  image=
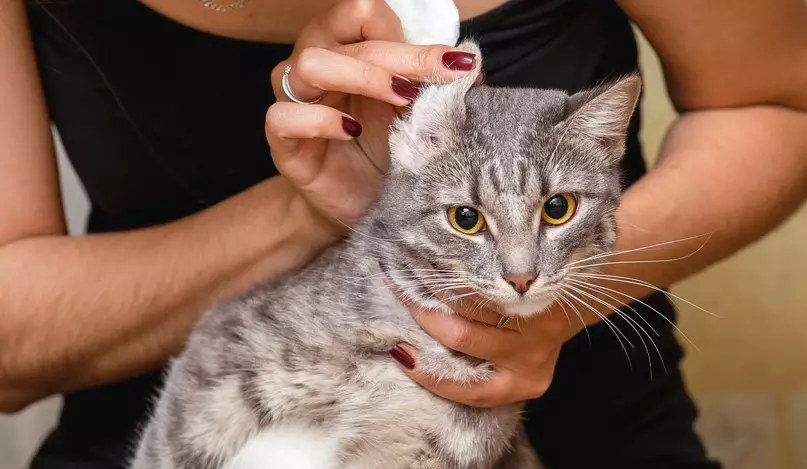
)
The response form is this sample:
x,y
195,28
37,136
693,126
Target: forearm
x,y
727,177
81,311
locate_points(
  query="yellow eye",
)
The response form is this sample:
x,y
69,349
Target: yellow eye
x,y
466,220
559,209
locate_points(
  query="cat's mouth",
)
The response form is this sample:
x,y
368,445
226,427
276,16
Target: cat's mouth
x,y
461,294
522,306
529,307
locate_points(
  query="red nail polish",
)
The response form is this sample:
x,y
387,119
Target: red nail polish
x,y
404,88
462,61
351,127
402,356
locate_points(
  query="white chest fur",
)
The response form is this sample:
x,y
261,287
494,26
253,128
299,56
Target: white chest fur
x,y
289,446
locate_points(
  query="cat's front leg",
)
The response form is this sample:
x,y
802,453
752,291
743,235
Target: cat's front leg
x,y
441,363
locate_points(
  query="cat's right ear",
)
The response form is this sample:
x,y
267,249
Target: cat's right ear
x,y
417,136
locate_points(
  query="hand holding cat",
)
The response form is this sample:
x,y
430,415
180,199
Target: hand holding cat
x,y
524,353
354,68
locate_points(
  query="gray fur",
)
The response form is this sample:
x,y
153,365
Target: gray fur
x,y
312,348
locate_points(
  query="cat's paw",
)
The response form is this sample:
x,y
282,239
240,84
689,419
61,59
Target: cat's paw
x,y
427,22
443,364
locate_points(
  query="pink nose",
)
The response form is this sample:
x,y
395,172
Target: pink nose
x,y
520,282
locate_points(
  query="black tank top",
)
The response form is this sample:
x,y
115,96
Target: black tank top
x,y
161,121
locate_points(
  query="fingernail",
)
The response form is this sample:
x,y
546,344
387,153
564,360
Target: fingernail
x,y
462,61
403,357
350,126
404,88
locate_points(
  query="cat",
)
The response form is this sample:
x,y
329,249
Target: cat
x,y
484,184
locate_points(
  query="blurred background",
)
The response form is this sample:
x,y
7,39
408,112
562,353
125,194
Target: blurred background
x,y
749,377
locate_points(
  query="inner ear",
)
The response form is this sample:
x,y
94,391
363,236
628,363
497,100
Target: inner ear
x,y
417,135
601,115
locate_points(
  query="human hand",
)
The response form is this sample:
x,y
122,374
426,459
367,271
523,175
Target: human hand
x,y
524,352
353,60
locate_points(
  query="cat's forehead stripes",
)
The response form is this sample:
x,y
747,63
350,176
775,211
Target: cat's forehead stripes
x,y
509,173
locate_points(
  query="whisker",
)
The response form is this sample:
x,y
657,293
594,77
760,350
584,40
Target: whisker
x,y
409,283
638,261
456,297
644,248
434,293
408,273
633,324
633,226
580,316
596,288
555,297
478,307
365,234
608,323
427,282
668,320
518,325
641,283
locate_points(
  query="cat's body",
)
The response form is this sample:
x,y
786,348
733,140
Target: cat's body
x,y
297,374
299,369
322,385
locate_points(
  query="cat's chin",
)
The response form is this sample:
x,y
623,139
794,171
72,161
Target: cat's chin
x,y
527,308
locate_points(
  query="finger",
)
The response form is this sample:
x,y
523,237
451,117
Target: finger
x,y
286,123
348,21
493,393
478,312
435,63
497,390
352,21
319,70
503,386
466,336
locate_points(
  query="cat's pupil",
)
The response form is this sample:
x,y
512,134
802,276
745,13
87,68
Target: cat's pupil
x,y
556,207
466,218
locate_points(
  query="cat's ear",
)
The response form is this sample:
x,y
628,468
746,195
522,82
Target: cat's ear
x,y
601,115
427,125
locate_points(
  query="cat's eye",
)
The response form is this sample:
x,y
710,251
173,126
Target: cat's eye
x,y
559,209
466,220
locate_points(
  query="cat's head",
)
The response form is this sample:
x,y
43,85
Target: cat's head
x,y
496,191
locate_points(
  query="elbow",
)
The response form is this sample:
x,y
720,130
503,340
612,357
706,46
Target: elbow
x,y
13,399
16,394
11,407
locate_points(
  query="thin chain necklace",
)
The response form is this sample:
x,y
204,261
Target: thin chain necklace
x,y
224,7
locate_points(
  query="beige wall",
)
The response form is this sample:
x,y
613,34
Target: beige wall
x,y
750,376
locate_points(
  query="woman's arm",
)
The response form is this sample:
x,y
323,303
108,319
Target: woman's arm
x,y
77,312
734,165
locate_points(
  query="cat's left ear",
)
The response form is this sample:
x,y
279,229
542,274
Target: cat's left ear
x,y
428,124
600,116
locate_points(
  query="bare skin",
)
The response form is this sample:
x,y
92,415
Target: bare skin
x,y
269,21
736,74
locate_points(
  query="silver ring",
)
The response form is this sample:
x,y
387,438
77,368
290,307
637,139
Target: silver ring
x,y
284,83
503,322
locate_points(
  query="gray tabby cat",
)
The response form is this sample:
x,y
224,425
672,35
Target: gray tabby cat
x,y
485,185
